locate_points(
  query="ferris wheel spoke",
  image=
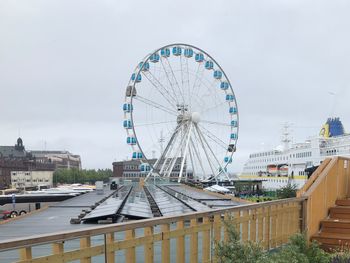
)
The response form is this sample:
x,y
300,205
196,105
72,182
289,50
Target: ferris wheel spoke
x,y
211,108
199,158
170,75
211,150
216,123
153,123
197,81
155,104
213,137
170,98
206,153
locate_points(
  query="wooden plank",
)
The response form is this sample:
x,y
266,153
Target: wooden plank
x,y
149,251
25,253
57,248
165,243
130,256
279,227
252,228
217,227
267,223
85,242
194,243
180,244
110,255
273,226
260,225
206,242
245,224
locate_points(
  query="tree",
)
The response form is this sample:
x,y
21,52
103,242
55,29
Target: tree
x,y
288,191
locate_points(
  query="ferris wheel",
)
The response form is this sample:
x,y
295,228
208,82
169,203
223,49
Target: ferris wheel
x,y
180,114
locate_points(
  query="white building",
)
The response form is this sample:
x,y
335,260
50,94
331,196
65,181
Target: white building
x,y
26,179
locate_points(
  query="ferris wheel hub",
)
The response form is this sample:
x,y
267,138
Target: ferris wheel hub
x,y
196,117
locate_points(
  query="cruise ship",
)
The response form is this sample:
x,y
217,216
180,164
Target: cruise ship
x,y
290,163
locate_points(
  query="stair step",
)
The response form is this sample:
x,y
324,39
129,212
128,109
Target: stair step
x,y
340,212
335,223
343,202
333,239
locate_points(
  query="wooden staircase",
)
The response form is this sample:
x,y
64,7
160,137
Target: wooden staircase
x,y
335,230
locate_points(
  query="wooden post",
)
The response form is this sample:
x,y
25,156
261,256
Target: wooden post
x,y
25,253
149,253
57,248
130,256
109,241
193,242
85,242
227,219
206,242
165,244
180,244
279,231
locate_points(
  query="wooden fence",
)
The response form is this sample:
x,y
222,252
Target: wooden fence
x,y
186,238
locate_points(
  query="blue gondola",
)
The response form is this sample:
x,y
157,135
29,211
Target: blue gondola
x,y
127,124
209,64
177,51
228,159
131,140
199,57
154,57
234,123
230,97
127,107
144,66
217,74
233,110
145,167
136,155
133,77
233,136
224,85
165,52
188,52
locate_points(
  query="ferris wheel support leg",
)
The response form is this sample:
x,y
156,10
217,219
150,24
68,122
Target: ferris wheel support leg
x,y
185,152
198,157
164,153
222,169
177,153
206,154
191,158
168,150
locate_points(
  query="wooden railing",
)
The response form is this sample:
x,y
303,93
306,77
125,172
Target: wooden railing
x,y
331,181
185,238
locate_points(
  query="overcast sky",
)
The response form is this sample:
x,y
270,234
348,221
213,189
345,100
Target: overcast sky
x,y
65,64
